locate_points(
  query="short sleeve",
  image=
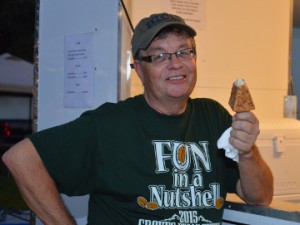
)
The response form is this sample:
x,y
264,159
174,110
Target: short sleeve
x,y
67,152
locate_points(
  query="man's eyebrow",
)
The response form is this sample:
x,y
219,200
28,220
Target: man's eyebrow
x,y
157,49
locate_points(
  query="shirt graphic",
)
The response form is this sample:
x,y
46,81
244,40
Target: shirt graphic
x,y
188,193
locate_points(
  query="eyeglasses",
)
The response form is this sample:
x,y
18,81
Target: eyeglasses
x,y
184,54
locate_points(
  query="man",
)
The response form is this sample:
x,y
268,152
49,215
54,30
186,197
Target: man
x,y
151,159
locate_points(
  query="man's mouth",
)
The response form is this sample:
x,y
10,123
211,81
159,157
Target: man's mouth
x,y
176,78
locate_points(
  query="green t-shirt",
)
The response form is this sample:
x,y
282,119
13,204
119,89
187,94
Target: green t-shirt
x,y
141,167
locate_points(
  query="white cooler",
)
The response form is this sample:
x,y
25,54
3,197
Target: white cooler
x,y
279,144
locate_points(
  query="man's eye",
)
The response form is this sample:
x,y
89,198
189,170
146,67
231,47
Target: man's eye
x,y
158,57
182,53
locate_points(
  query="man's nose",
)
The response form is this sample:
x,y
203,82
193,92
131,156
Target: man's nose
x,y
174,60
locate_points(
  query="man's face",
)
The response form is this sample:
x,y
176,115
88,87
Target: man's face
x,y
171,79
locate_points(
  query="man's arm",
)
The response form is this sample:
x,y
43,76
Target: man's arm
x,y
255,186
35,184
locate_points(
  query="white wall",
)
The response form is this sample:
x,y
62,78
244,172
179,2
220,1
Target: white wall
x,y
62,19
248,39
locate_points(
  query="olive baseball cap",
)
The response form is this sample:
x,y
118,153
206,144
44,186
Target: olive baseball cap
x,y
148,28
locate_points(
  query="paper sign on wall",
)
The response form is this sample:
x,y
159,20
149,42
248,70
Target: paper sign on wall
x,y
192,11
79,71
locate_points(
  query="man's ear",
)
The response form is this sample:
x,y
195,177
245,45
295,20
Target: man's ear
x,y
138,68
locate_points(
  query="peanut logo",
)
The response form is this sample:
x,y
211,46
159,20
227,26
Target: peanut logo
x,y
145,204
181,154
219,203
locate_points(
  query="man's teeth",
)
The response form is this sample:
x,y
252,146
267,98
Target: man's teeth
x,y
176,78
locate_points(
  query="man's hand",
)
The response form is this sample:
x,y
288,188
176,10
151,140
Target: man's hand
x,y
245,129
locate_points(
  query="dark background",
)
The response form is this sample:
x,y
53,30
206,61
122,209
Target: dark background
x,y
17,19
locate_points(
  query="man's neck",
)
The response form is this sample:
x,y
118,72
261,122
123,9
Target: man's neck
x,y
175,106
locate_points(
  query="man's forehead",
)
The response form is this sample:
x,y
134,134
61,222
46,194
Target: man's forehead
x,y
163,43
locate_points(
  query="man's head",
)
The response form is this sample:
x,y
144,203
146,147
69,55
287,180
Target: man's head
x,y
149,27
165,61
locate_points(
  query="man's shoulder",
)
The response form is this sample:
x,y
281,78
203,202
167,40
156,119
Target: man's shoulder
x,y
109,109
208,105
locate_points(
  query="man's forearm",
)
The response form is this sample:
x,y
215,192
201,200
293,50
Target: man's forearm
x,y
36,186
256,180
